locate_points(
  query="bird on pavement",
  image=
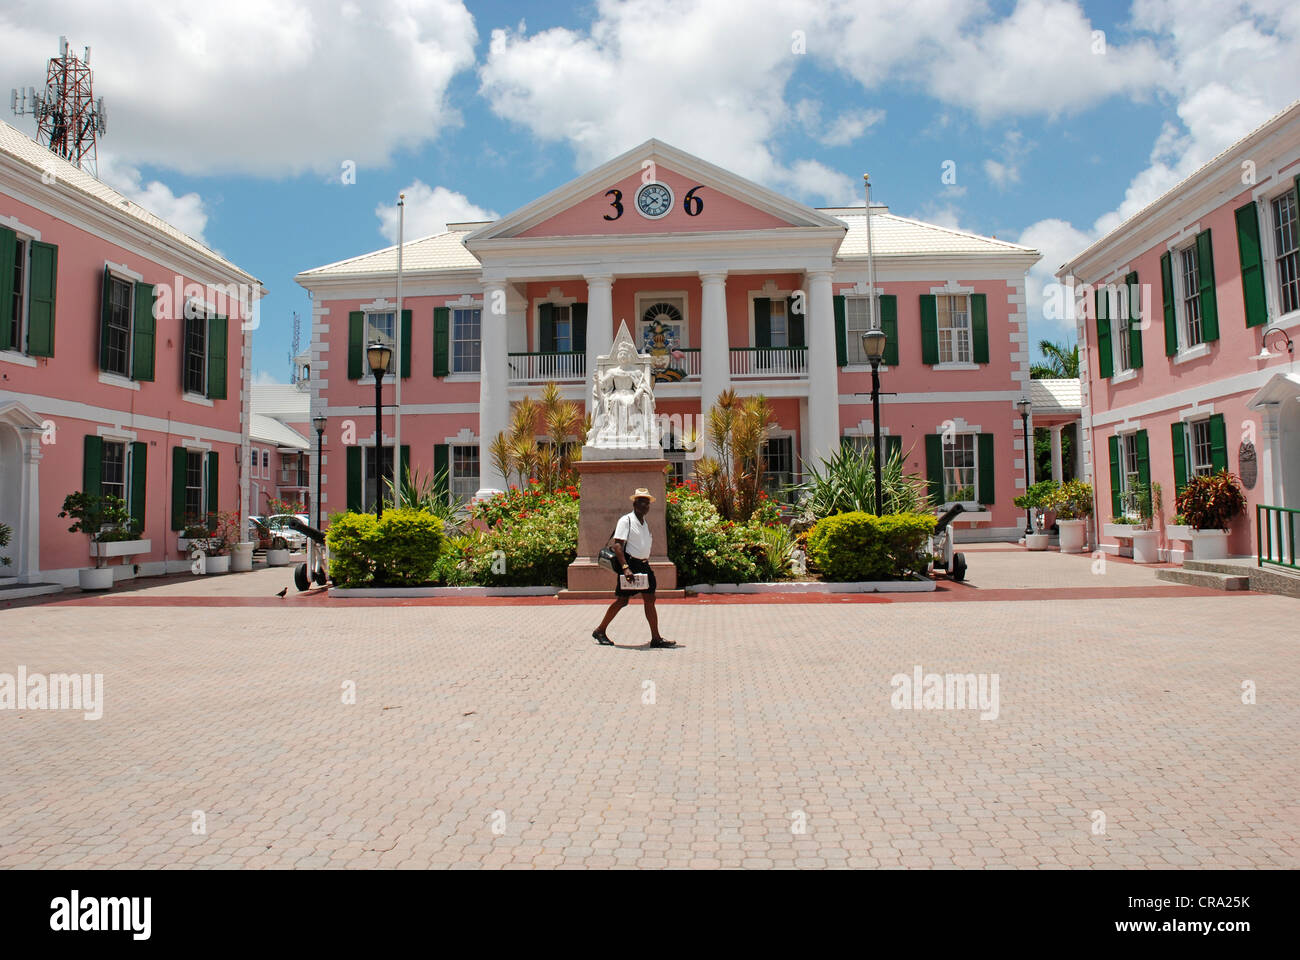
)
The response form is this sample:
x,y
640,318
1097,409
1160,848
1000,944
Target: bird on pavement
x,y
282,593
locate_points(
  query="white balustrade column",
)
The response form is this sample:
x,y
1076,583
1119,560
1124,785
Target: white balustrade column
x,y
493,384
715,344
1056,453
823,374
600,324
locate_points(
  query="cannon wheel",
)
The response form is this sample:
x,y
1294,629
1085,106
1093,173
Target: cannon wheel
x,y
300,579
958,572
320,577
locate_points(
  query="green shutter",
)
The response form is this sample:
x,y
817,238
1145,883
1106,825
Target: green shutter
x,y
762,322
356,345
442,470
216,358
214,487
1116,489
1252,265
1179,436
578,328
795,335
143,334
92,465
987,487
1134,321
354,478
404,464
1144,460
929,329
893,446
545,327
979,317
40,299
180,465
1205,273
1167,303
8,250
139,483
841,333
104,288
406,343
889,324
1105,354
934,465
441,341
1218,443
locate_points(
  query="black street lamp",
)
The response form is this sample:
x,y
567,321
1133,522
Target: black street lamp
x,y
378,355
873,345
1024,405
319,423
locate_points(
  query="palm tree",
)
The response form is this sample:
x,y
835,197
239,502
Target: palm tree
x,y
1059,362
517,452
737,430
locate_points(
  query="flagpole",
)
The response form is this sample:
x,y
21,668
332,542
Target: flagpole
x,y
871,260
397,355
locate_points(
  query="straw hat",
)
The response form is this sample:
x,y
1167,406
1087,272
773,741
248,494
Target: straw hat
x,y
642,492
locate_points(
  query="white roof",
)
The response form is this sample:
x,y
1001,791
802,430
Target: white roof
x,y
442,251
895,236
267,430
283,401
16,144
1056,395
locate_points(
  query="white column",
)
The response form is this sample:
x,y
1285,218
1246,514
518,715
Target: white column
x,y
493,384
1056,453
823,375
715,344
600,323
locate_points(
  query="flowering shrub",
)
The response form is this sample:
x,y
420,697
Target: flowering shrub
x,y
516,504
706,548
530,539
861,546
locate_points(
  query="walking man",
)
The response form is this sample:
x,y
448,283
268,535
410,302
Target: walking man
x,y
632,552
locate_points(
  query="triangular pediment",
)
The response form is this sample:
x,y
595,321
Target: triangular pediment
x,y
682,194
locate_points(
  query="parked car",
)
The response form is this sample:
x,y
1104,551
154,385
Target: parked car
x,y
279,527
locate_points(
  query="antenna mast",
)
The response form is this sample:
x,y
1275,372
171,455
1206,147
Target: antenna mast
x,y
68,117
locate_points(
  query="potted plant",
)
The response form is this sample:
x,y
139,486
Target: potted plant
x,y
6,532
194,536
1136,524
1208,503
224,535
108,523
1036,500
1073,503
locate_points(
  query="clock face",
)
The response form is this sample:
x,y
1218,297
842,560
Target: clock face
x,y
654,200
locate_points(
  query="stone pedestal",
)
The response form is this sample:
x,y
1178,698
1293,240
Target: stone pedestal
x,y
606,487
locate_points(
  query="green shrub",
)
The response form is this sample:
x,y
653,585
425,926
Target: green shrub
x,y
399,550
704,547
534,549
860,546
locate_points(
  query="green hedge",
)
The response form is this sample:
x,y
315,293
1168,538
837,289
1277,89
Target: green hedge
x,y
704,547
399,550
852,547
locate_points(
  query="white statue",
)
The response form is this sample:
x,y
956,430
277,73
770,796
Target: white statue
x,y
623,423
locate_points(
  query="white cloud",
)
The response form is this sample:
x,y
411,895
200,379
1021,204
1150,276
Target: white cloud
x,y
262,379
253,87
843,130
1058,241
1006,171
428,211
186,213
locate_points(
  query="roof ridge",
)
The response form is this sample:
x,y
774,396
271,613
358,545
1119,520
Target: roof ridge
x,y
954,231
392,246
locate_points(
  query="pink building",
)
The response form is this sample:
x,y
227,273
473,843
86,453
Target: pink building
x,y
727,285
280,437
123,364
1175,306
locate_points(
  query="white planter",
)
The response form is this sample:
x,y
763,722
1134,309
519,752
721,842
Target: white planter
x,y
241,556
1178,531
219,564
1120,531
120,548
1209,544
1036,541
1146,548
183,545
277,558
95,578
1072,535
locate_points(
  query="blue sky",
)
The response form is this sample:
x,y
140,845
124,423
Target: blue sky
x,y
1056,132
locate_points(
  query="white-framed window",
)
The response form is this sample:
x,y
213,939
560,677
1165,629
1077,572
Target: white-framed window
x,y
778,466
1119,333
960,468
196,352
561,328
113,470
266,464
117,335
858,319
1200,452
381,327
954,322
195,487
1129,474
1286,250
779,325
253,461
1190,298
464,480
466,327
21,270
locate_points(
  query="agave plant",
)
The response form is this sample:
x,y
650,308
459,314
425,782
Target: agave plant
x,y
427,492
778,550
732,478
846,482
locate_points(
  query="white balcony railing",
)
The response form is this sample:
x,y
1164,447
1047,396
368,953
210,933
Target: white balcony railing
x,y
769,361
542,367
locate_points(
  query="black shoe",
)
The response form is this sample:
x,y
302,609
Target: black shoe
x,y
661,642
600,638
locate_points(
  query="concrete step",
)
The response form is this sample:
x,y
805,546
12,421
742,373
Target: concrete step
x,y
1205,578
16,591
1281,581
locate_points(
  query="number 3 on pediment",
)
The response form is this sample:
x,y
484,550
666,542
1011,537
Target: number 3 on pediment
x,y
616,203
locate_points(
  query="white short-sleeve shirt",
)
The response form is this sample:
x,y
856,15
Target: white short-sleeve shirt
x,y
635,534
